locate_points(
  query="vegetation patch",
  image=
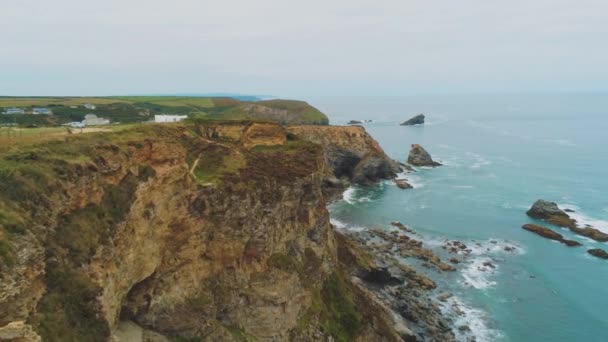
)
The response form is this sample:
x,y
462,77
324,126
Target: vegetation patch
x,y
282,261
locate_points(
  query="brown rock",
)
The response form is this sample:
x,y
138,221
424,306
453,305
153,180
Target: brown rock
x,y
549,234
420,157
599,253
403,184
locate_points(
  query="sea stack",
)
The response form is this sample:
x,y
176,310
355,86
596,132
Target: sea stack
x,y
420,157
416,120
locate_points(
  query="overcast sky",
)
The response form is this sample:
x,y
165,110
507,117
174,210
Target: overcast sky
x,y
302,48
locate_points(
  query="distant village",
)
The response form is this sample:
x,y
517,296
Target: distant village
x,y
89,119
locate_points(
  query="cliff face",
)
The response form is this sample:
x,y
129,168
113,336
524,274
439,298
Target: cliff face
x,y
351,154
216,232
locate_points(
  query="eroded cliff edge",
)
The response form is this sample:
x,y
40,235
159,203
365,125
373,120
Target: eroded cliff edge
x,y
193,232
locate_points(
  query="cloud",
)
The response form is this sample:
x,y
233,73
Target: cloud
x,y
311,47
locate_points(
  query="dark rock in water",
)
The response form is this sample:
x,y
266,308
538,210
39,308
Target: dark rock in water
x,y
569,211
420,157
416,120
355,122
403,184
591,233
550,212
598,252
542,209
489,264
549,234
454,260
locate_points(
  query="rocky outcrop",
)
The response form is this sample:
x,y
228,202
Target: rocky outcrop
x,y
355,122
550,234
550,212
598,253
18,332
189,232
416,120
352,155
542,209
403,184
420,157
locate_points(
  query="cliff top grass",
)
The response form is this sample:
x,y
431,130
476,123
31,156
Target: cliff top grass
x,y
130,109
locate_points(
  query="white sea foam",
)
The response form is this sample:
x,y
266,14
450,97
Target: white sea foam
x,y
474,318
463,186
583,220
486,247
561,142
478,160
338,224
349,195
476,274
413,179
343,226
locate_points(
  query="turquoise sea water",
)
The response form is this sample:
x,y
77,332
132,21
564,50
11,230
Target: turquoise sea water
x,y
501,153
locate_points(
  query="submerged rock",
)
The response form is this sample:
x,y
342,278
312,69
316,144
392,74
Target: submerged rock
x,y
416,120
420,157
549,234
355,122
599,253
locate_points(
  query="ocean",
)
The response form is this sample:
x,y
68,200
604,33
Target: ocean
x,y
500,154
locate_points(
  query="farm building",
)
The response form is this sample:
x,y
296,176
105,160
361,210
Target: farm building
x,y
93,120
41,111
14,110
169,118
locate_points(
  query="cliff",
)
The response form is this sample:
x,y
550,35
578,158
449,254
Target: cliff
x,y
351,154
212,232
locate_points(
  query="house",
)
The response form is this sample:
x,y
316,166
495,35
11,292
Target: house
x,y
14,110
74,124
41,111
89,106
93,120
169,118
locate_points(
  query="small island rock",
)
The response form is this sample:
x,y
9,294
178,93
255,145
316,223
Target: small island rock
x,y
550,212
403,184
355,122
599,253
420,157
416,120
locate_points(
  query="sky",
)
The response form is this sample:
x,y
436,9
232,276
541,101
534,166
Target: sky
x,y
302,48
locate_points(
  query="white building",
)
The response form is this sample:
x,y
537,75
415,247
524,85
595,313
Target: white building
x,y
41,111
169,118
89,106
14,110
93,120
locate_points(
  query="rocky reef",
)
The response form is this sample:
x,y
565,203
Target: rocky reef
x,y
187,232
418,156
549,234
416,120
598,253
550,212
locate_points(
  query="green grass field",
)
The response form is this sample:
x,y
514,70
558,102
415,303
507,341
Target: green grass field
x,y
137,109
